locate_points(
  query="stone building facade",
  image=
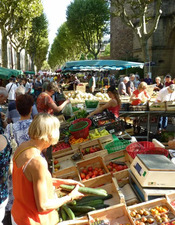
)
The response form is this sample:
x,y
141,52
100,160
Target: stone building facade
x,y
125,45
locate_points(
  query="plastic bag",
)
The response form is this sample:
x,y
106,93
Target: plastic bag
x,y
67,110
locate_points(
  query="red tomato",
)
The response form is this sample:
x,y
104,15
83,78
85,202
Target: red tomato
x,y
90,168
82,175
84,171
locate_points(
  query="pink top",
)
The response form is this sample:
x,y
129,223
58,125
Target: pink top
x,y
115,110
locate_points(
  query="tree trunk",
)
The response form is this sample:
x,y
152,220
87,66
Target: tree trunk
x,y
26,61
145,52
32,62
11,56
18,60
4,48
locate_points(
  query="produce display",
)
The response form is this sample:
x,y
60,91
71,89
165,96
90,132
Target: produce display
x,y
86,151
90,172
156,215
77,208
79,96
100,222
103,122
60,146
97,134
73,140
115,167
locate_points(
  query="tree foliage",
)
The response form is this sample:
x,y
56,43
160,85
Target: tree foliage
x,y
65,47
38,43
88,21
140,15
13,15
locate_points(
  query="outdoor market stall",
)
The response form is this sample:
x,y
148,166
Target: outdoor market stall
x,y
100,158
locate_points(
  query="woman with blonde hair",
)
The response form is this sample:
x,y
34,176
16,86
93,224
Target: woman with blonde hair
x,y
140,95
34,199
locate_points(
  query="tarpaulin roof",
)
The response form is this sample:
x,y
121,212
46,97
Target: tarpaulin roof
x,y
29,72
99,65
7,73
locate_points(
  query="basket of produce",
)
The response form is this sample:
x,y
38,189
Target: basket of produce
x,y
83,119
158,151
139,148
117,145
91,104
80,129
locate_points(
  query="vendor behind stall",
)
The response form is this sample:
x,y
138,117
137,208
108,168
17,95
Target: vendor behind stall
x,y
113,105
140,96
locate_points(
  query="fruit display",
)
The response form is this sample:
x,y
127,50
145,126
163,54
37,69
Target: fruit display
x,y
86,151
115,167
97,134
90,172
156,215
73,140
60,146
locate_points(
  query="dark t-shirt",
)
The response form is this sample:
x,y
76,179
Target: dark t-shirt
x,y
129,84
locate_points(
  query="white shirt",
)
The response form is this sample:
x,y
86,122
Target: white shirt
x,y
12,88
27,87
165,96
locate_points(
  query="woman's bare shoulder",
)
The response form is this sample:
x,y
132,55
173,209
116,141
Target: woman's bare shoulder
x,y
3,142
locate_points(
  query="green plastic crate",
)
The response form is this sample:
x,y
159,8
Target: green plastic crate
x,y
117,145
91,104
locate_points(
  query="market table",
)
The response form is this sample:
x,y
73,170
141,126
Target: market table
x,y
148,114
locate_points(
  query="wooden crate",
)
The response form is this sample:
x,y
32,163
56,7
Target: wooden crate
x,y
63,152
93,143
68,173
122,179
153,106
108,183
65,162
170,106
78,221
151,204
171,198
116,214
93,162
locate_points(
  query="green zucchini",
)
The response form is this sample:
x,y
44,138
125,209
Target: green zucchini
x,y
69,212
85,190
63,214
84,209
73,202
91,198
101,206
91,203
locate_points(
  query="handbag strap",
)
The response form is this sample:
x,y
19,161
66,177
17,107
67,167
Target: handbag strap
x,y
11,131
10,88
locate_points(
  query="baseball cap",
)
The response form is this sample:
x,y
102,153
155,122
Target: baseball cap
x,y
172,87
168,76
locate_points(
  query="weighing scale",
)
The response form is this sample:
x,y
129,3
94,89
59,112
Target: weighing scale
x,y
154,171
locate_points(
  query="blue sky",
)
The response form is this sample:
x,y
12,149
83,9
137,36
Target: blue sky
x,y
55,11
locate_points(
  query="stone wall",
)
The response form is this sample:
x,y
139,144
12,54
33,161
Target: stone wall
x,y
161,45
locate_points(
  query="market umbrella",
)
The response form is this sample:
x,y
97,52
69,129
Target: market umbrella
x,y
84,65
7,73
29,72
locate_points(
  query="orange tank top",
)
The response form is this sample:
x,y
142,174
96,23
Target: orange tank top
x,y
24,210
